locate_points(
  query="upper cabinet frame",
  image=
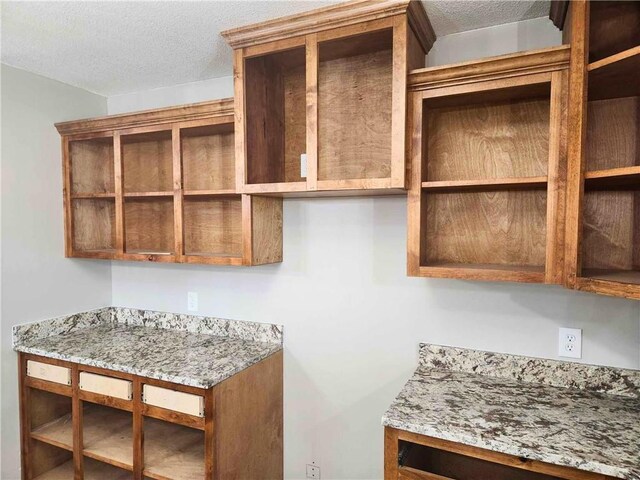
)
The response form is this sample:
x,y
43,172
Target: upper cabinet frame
x,y
603,188
328,85
160,186
488,153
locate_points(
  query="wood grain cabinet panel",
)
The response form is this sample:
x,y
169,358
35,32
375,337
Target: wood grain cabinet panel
x,y
160,186
603,191
488,158
321,98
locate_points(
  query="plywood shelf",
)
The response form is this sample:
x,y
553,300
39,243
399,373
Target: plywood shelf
x,y
93,470
615,76
625,177
58,432
491,272
172,451
85,195
147,194
108,435
210,193
489,184
615,276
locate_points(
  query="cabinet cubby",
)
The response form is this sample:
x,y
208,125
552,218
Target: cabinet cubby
x,y
486,196
161,186
107,435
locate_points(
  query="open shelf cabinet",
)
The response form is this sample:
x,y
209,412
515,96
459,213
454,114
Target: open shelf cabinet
x,y
603,192
72,430
160,186
321,99
488,162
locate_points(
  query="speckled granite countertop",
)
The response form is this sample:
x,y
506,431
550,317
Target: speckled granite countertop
x,y
183,349
563,413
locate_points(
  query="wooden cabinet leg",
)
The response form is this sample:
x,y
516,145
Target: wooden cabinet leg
x,y
390,453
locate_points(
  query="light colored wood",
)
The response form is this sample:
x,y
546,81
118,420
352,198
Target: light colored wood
x,y
172,451
93,470
92,166
408,473
178,196
108,435
615,58
491,68
45,457
266,239
485,184
209,111
94,225
613,28
312,67
390,454
149,225
58,432
335,16
173,400
213,226
208,158
147,162
104,385
49,372
248,422
119,190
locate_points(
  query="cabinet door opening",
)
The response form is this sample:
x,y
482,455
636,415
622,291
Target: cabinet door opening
x,y
172,451
275,109
147,162
149,225
92,167
208,158
107,435
213,226
94,225
355,81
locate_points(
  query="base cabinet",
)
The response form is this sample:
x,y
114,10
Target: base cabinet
x,y
71,432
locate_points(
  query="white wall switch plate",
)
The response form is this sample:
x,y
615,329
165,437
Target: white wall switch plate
x,y
303,165
570,342
192,301
313,471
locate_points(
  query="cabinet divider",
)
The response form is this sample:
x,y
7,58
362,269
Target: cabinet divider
x,y
117,171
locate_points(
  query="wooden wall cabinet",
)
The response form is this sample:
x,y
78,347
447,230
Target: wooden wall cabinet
x,y
160,186
328,84
488,168
69,431
603,192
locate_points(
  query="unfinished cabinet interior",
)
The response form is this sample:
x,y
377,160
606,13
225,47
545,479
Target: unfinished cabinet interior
x,y
321,98
99,430
603,228
160,186
411,456
488,163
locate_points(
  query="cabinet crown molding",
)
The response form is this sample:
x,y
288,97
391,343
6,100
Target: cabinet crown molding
x,y
341,15
492,68
182,113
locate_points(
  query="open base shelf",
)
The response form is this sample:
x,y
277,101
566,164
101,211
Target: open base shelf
x,y
616,276
93,470
172,451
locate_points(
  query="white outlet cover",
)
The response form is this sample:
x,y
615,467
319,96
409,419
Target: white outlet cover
x,y
570,342
192,301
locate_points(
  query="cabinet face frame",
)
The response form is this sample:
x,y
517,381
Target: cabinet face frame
x,y
544,68
578,26
261,238
405,43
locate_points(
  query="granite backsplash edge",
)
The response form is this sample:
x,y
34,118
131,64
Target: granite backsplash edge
x,y
244,330
602,379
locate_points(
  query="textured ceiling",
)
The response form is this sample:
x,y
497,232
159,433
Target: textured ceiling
x,y
122,46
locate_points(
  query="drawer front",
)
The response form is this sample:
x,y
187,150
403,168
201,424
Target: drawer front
x,y
112,387
173,400
51,373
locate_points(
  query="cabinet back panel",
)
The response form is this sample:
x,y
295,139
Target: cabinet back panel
x,y
611,230
275,88
613,27
354,116
45,457
504,227
489,140
213,226
92,166
94,225
148,166
149,225
47,407
208,161
613,133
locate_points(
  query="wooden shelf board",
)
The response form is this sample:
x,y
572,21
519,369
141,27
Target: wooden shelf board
x,y
108,435
615,76
147,194
512,183
58,432
88,195
93,470
210,193
614,177
617,276
212,254
147,252
172,451
490,272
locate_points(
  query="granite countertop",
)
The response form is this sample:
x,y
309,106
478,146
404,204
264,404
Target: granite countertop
x,y
183,349
562,413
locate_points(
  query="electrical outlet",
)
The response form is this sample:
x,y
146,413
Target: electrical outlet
x,y
192,301
570,342
313,471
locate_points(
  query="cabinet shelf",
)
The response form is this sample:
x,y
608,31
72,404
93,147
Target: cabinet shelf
x,y
148,194
615,76
93,470
89,195
489,184
616,276
172,451
210,193
625,177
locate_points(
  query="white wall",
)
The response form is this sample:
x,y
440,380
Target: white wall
x,y
353,318
37,281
